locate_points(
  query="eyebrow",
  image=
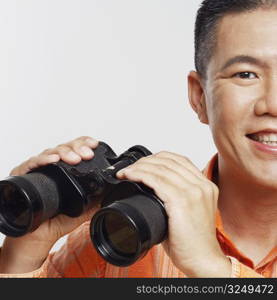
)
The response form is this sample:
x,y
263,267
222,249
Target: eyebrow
x,y
243,59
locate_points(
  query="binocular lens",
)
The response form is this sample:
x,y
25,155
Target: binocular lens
x,y
14,206
25,202
120,233
125,230
115,236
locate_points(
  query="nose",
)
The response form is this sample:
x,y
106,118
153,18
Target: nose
x,y
267,105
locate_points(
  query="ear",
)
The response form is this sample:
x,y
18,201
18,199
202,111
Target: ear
x,y
197,97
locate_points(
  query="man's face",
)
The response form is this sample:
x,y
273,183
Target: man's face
x,y
241,95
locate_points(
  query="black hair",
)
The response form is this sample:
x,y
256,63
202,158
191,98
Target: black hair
x,y
208,17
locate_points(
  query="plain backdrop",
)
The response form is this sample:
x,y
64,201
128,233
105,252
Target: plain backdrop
x,y
115,70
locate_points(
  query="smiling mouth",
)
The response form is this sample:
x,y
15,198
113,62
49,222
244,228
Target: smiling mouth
x,y
269,139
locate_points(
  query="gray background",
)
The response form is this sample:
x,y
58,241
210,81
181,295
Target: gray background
x,y
112,69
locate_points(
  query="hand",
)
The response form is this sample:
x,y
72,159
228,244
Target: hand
x,y
190,200
26,253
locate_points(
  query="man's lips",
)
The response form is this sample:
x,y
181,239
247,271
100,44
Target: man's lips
x,y
264,141
263,131
266,135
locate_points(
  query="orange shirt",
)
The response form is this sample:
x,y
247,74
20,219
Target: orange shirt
x,y
78,258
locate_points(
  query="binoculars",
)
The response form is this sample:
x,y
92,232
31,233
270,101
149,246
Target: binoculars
x,y
131,218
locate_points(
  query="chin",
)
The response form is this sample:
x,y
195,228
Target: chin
x,y
266,179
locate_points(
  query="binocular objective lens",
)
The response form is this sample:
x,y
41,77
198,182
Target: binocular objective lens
x,y
120,234
14,207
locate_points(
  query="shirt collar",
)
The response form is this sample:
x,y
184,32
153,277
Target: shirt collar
x,y
227,246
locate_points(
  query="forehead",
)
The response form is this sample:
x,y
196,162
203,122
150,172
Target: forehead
x,y
251,33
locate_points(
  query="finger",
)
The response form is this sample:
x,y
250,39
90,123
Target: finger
x,y
65,224
156,177
33,163
181,160
84,140
71,153
84,148
67,154
165,162
164,189
19,170
42,160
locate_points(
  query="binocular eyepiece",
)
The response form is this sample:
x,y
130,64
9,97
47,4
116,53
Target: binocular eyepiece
x,y
131,220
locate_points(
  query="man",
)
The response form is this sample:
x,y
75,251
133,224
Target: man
x,y
222,222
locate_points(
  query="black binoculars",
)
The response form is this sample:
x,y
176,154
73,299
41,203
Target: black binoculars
x,y
131,220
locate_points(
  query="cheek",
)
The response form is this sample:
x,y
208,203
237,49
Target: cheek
x,y
223,110
229,109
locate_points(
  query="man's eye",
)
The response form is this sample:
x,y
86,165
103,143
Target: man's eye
x,y
246,75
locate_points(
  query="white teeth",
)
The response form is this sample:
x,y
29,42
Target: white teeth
x,y
264,138
273,138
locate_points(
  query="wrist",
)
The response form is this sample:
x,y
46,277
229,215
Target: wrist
x,y
19,255
210,267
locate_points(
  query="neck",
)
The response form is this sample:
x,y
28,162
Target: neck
x,y
248,212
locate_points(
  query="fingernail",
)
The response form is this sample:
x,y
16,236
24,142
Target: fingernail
x,y
86,151
121,172
73,155
91,141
